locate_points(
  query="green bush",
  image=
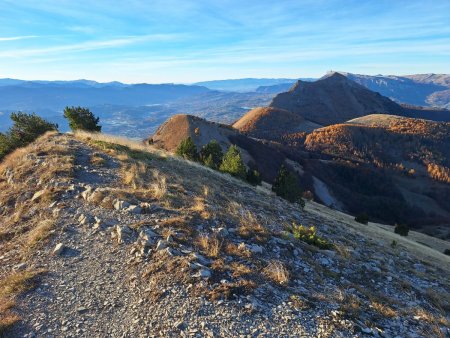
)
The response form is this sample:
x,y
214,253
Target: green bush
x,y
286,186
232,163
82,119
187,149
362,218
401,229
26,128
211,154
309,235
253,177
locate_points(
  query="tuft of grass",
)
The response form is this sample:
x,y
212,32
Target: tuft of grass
x,y
236,250
383,309
250,228
39,233
277,272
239,270
210,245
10,287
97,160
228,290
17,283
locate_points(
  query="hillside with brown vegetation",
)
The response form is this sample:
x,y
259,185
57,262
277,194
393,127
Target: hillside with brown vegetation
x,y
273,124
396,169
267,160
106,237
386,141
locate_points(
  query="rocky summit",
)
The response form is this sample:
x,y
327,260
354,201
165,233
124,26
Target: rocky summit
x,y
104,237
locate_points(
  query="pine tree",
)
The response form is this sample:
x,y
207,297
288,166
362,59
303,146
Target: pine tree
x,y
211,154
286,186
253,177
187,149
82,119
232,163
26,128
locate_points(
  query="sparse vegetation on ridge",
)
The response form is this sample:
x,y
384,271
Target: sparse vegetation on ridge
x,y
211,236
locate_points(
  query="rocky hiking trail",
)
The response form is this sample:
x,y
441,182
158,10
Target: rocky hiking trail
x,y
131,264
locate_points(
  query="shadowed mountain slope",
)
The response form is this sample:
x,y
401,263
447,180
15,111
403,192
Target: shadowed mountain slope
x,y
336,99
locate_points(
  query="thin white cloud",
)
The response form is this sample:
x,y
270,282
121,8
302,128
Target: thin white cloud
x,y
15,38
87,46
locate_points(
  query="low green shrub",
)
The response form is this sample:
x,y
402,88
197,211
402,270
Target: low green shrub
x,y
401,229
362,218
309,235
253,177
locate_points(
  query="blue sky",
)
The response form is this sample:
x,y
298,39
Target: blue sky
x,y
185,41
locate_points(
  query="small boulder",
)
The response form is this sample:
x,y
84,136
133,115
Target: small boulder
x,y
134,209
38,194
59,248
120,205
161,245
123,233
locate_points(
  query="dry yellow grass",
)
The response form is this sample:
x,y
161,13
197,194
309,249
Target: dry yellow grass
x,y
251,228
383,309
210,245
97,160
238,251
239,269
277,272
10,287
38,234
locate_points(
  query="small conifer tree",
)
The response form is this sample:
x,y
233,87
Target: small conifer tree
x,y
286,186
25,129
253,177
232,163
211,154
82,119
187,149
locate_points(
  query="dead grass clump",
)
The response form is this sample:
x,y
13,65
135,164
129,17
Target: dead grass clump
x,y
440,300
134,174
219,265
97,160
251,228
277,272
159,188
200,208
383,309
351,305
236,250
17,282
39,233
430,318
228,290
210,245
343,251
239,270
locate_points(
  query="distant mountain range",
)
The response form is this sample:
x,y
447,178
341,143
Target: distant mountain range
x,y
135,110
